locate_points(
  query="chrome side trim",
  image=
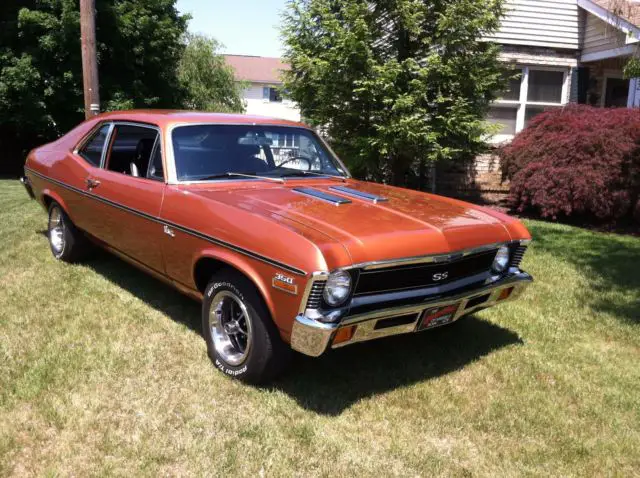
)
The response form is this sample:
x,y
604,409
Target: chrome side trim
x,y
316,193
358,194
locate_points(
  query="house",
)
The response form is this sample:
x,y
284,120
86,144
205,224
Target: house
x,y
263,94
565,51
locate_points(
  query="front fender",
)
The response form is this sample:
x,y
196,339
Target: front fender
x,y
256,272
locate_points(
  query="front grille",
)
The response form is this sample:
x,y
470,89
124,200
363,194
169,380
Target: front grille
x,y
417,276
517,253
315,295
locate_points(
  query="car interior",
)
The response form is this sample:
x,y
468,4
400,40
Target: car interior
x,y
211,159
131,150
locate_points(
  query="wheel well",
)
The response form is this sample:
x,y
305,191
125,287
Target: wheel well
x,y
207,267
47,200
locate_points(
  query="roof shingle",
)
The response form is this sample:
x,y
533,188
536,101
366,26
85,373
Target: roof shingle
x,y
629,10
258,69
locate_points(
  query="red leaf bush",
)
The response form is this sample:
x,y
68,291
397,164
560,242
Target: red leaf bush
x,y
578,162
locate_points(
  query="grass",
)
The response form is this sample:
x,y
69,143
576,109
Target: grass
x,y
103,372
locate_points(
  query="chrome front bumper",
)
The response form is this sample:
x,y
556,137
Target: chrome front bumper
x,y
312,336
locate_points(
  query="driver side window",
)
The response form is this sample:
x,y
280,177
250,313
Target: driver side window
x,y
132,149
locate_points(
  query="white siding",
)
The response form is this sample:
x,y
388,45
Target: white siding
x,y
256,105
600,36
544,23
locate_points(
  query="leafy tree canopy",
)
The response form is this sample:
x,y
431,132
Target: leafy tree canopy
x,y
140,44
394,83
207,79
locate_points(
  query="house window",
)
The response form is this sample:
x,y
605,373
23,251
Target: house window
x,y
505,117
545,86
533,91
271,94
288,140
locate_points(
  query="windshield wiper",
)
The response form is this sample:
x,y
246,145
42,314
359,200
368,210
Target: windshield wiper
x,y
231,174
309,173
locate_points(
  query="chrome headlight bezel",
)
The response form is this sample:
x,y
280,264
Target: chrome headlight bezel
x,y
502,259
337,288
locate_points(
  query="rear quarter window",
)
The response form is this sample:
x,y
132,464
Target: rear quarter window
x,y
91,152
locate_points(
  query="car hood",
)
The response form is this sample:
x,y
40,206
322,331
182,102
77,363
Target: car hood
x,y
407,224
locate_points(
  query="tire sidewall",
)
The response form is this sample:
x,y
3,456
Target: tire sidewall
x,y
254,364
66,235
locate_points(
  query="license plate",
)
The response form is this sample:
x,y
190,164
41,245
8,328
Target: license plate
x,y
437,316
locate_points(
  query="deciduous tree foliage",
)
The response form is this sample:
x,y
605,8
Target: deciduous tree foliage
x,y
208,81
579,163
140,44
395,84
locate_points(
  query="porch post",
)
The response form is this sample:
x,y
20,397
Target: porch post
x,y
633,100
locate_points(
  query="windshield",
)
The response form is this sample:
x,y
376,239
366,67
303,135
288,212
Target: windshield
x,y
205,152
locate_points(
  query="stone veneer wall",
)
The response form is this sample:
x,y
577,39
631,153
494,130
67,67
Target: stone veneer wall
x,y
478,181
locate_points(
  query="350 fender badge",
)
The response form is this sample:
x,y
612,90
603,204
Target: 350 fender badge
x,y
284,283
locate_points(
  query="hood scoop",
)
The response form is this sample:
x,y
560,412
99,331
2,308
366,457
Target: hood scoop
x,y
358,194
316,193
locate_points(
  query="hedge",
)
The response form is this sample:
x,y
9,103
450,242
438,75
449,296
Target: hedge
x,y
577,162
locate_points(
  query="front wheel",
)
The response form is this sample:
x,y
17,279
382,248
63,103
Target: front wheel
x,y
242,340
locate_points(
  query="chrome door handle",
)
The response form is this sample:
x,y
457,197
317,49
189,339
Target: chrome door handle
x,y
92,183
169,232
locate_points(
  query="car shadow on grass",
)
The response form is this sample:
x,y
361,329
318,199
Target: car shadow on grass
x,y
609,261
333,382
152,291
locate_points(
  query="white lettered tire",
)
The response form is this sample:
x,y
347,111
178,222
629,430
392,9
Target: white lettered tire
x,y
242,340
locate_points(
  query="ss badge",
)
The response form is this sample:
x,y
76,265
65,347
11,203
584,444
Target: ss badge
x,y
285,283
440,276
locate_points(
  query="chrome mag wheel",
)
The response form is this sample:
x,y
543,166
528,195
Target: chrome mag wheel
x,y
230,326
56,231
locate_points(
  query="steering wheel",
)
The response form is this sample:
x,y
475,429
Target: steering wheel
x,y
297,158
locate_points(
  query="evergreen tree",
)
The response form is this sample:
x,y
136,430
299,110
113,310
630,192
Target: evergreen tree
x,y
395,84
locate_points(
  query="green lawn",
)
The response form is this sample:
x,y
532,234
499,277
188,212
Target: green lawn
x,y
103,372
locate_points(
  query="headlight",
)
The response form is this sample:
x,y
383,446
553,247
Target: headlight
x,y
337,288
501,262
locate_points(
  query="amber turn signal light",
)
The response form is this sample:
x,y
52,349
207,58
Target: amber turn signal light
x,y
505,293
344,335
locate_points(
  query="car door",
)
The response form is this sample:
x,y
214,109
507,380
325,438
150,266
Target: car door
x,y
128,192
81,164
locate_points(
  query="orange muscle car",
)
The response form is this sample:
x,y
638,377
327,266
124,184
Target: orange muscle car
x,y
258,219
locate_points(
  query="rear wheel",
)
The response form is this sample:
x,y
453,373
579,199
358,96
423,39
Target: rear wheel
x,y
242,340
66,241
